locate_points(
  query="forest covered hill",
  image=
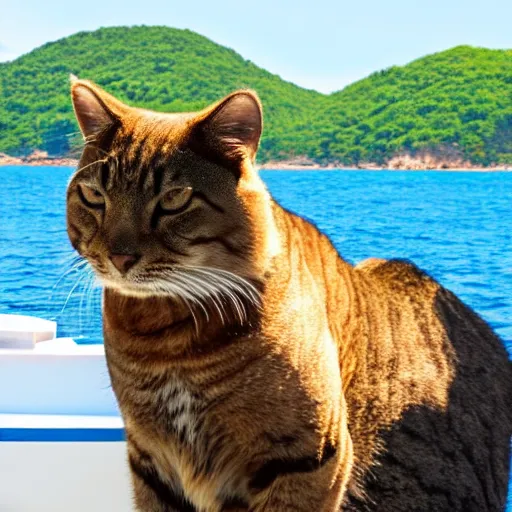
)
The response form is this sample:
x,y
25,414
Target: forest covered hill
x,y
457,102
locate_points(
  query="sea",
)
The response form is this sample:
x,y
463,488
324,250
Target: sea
x,y
457,226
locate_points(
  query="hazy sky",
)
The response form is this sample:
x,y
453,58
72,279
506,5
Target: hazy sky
x,y
320,44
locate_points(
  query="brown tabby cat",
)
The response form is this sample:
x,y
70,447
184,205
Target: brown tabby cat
x,y
254,368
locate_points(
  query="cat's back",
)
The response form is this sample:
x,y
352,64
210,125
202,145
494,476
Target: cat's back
x,y
445,457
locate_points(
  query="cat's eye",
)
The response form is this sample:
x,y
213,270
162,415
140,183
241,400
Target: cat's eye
x,y
176,200
90,196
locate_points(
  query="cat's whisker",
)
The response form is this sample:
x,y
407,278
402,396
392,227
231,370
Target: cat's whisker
x,y
212,293
70,260
182,294
238,304
84,287
86,296
78,281
92,143
193,289
234,286
71,257
217,285
181,279
195,297
249,290
78,266
219,290
92,303
173,288
191,309
196,294
103,160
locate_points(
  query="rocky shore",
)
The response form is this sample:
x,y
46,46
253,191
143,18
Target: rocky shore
x,y
403,162
37,158
434,161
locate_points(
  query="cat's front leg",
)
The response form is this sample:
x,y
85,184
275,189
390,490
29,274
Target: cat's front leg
x,y
151,492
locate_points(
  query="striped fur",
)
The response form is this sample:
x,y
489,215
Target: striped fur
x,y
255,369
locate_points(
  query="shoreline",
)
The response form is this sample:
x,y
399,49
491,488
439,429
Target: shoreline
x,y
42,160
37,159
374,168
402,163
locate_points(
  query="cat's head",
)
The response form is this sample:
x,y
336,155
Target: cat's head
x,y
169,203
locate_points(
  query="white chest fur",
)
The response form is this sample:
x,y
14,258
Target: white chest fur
x,y
181,411
180,408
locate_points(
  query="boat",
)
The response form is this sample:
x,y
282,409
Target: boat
x,y
62,446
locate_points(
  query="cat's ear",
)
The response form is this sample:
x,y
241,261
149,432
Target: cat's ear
x,y
95,110
231,129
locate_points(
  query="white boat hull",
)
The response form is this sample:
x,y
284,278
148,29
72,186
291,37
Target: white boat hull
x,y
64,477
62,443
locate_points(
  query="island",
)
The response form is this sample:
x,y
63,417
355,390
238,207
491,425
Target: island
x,y
449,110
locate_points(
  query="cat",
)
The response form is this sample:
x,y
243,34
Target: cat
x,y
254,368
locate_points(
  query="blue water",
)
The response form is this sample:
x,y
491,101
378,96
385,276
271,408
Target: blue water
x,y
456,226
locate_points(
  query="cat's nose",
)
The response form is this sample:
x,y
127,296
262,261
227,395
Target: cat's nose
x,y
124,262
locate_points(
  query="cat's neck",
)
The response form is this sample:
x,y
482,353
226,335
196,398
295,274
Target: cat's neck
x,y
310,266
165,328
127,320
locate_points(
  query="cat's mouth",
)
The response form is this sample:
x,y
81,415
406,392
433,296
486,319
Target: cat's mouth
x,y
201,287
141,283
144,287
131,276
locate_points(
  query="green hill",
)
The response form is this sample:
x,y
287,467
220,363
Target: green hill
x,y
155,67
459,100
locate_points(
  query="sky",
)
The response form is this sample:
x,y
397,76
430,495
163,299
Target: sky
x,y
318,44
